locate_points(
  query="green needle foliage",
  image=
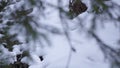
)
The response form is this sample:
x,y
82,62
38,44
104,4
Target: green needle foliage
x,y
23,19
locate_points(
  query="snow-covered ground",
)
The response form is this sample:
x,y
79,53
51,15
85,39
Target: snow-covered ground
x,y
87,55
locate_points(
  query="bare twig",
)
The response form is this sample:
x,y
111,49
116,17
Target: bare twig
x,y
67,34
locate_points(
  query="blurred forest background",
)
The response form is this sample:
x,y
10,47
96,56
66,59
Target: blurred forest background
x,y
26,25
